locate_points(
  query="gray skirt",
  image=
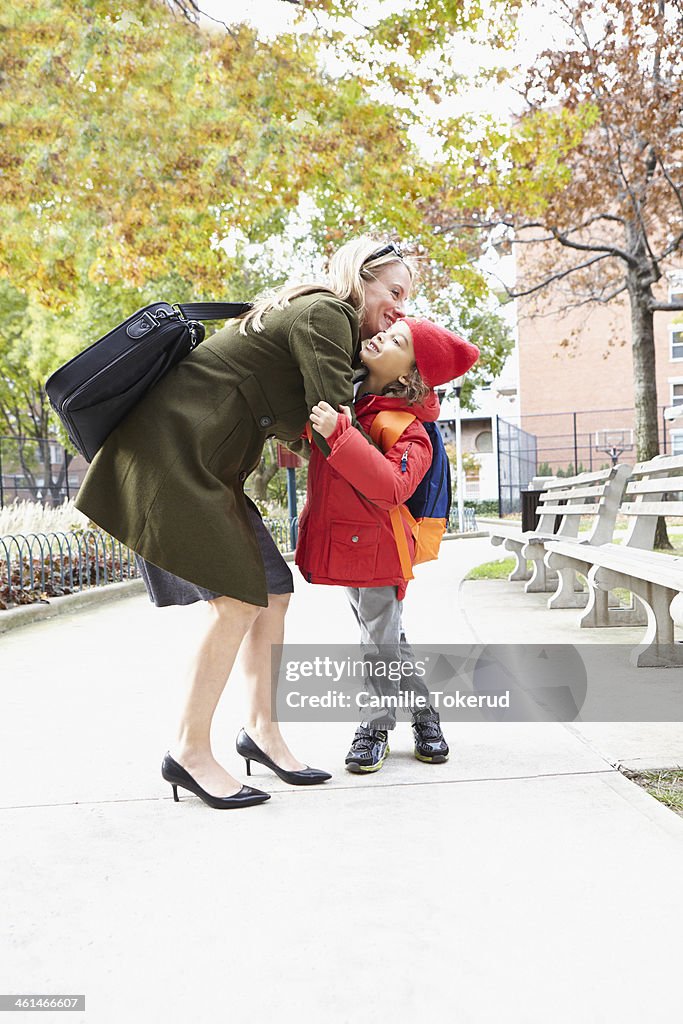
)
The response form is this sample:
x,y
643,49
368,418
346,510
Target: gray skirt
x,y
165,589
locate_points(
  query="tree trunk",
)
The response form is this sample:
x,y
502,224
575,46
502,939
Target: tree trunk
x,y
264,473
645,381
644,370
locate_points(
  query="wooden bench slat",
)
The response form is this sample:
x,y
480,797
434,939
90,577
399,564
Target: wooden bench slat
x,y
596,552
665,483
572,510
652,576
573,492
582,478
572,547
664,576
658,463
655,566
652,508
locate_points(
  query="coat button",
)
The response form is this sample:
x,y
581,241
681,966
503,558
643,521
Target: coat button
x,y
354,539
265,421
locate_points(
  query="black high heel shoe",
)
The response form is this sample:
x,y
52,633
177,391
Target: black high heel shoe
x,y
250,752
177,776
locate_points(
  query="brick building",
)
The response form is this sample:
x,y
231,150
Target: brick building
x,y
576,378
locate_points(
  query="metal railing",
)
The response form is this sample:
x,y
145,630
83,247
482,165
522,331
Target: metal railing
x,y
37,566
469,520
284,531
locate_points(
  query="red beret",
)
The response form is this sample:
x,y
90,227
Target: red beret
x,y
440,355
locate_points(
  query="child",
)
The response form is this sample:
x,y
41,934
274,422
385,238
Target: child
x,y
346,536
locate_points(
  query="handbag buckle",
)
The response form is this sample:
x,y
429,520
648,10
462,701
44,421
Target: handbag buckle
x,y
197,332
139,328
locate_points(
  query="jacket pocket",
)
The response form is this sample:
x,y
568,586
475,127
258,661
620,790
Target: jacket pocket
x,y
353,551
226,459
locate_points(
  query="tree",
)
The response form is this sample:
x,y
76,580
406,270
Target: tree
x,y
587,181
134,142
589,176
26,342
265,472
144,155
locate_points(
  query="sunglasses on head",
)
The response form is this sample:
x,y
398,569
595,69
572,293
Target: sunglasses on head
x,y
384,251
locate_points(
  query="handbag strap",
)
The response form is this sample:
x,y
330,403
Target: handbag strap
x,y
213,310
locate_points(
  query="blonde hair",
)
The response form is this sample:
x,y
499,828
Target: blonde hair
x,y
348,270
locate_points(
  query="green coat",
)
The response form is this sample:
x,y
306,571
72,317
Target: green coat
x,y
168,482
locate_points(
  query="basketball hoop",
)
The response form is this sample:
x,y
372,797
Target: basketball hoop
x,y
614,442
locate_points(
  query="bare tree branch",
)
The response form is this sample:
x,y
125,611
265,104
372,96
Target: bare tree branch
x,y
193,12
553,277
488,225
674,246
568,306
676,190
609,250
635,203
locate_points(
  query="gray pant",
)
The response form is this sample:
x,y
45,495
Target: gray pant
x,y
378,613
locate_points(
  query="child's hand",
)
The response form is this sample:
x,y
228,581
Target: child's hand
x,y
323,418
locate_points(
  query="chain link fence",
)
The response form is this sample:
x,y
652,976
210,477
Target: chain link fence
x,y
567,443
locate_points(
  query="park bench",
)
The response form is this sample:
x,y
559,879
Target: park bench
x,y
564,503
654,578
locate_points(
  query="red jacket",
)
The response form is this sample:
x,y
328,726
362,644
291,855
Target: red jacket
x,y
345,533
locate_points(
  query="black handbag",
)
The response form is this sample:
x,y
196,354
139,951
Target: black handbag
x,y
96,389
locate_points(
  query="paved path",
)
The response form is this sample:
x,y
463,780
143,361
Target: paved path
x,y
524,882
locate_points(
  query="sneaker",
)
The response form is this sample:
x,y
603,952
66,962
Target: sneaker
x,y
430,744
368,750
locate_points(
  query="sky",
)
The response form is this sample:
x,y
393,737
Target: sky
x,y
272,17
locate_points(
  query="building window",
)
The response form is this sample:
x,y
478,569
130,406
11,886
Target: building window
x,y
484,441
677,442
676,393
677,342
676,291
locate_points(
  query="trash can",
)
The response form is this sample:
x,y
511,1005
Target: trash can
x,y
530,516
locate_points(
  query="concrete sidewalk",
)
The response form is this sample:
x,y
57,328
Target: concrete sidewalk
x,y
526,881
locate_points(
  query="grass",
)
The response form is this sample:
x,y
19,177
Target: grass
x,y
499,570
33,517
665,786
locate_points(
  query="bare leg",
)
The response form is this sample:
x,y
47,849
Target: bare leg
x,y
255,658
230,621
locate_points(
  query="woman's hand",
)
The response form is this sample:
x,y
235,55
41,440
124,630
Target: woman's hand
x,y
323,418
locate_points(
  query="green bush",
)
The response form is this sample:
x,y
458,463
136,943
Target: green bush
x,y
483,508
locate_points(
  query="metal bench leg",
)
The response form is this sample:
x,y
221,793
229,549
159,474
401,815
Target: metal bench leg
x,y
657,649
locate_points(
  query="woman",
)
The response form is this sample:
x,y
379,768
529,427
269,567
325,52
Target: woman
x,y
168,483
